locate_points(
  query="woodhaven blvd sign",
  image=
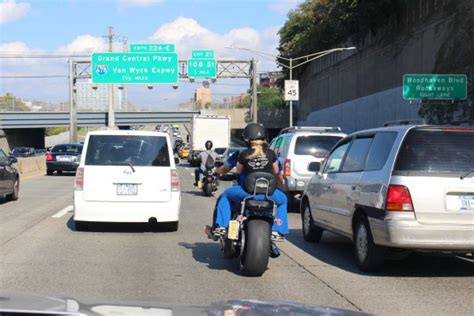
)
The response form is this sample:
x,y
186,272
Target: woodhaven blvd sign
x,y
434,87
139,68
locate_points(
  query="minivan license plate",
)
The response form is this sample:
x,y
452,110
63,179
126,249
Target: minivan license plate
x,y
127,189
467,202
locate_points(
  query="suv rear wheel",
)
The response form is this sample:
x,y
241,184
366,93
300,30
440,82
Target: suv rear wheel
x,y
311,232
369,256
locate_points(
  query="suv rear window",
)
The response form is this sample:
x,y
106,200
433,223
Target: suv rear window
x,y
317,146
123,149
437,150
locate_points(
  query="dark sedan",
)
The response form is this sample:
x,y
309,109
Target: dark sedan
x,y
9,178
23,152
63,157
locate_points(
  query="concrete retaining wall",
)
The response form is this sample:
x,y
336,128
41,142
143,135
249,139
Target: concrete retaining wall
x,y
366,112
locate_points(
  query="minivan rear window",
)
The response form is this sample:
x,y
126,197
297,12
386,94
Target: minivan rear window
x,y
317,146
437,151
105,150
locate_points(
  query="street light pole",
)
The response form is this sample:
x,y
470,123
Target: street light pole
x,y
291,101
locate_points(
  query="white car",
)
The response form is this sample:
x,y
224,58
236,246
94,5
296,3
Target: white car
x,y
127,176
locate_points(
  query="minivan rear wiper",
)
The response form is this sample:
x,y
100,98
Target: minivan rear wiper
x,y
466,174
124,163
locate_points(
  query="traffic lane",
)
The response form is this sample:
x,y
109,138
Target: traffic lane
x,y
182,267
420,284
39,198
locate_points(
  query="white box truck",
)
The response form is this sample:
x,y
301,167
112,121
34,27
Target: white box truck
x,y
215,128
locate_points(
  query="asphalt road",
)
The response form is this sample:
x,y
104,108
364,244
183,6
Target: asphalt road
x,y
40,252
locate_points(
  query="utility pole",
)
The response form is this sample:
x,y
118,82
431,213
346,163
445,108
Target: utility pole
x,y
72,104
254,92
111,87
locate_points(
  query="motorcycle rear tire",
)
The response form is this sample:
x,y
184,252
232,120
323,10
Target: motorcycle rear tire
x,y
257,245
208,188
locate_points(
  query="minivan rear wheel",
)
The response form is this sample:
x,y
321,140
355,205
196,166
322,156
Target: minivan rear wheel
x,y
311,232
368,255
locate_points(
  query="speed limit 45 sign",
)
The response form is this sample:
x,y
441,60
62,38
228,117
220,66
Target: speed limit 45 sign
x,y
291,90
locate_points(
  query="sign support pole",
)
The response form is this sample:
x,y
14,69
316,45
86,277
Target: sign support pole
x,y
291,101
72,104
254,92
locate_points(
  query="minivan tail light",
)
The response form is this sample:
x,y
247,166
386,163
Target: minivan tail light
x,y
79,183
174,181
49,157
287,168
398,198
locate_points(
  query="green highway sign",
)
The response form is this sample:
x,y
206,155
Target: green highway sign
x,y
434,87
202,54
202,68
151,48
144,68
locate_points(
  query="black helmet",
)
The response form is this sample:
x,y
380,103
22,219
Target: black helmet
x,y
208,145
254,131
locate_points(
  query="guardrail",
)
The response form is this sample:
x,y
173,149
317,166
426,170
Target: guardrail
x,y
15,120
31,165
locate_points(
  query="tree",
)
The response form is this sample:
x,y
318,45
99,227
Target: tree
x,y
317,25
10,103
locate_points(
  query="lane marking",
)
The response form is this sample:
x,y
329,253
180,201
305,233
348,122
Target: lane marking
x,y
63,212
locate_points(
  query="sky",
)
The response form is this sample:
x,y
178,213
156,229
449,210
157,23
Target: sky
x,y
79,26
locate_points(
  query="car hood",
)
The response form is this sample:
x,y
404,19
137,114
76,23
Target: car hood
x,y
32,304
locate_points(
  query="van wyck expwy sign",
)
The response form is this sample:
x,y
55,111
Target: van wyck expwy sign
x,y
145,68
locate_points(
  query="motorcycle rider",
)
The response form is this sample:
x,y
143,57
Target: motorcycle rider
x,y
209,153
257,158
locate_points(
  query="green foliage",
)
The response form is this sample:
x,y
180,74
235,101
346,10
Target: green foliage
x,y
266,98
455,56
318,25
10,103
270,97
50,131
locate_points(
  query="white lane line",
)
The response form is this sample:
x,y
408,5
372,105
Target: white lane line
x,y
186,168
192,174
63,212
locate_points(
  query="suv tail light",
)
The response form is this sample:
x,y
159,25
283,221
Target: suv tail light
x,y
174,181
287,168
79,184
49,157
398,198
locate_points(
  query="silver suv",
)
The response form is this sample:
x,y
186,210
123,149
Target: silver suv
x,y
296,147
399,187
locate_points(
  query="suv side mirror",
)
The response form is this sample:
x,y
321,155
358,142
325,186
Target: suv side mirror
x,y
314,166
12,159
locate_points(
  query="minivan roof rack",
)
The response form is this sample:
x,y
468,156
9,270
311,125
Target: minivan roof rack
x,y
295,129
405,122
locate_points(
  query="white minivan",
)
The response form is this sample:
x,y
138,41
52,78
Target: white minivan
x,y
127,176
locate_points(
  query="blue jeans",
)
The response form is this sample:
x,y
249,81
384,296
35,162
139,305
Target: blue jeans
x,y
236,194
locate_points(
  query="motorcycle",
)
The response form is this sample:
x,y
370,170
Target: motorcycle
x,y
208,181
249,235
